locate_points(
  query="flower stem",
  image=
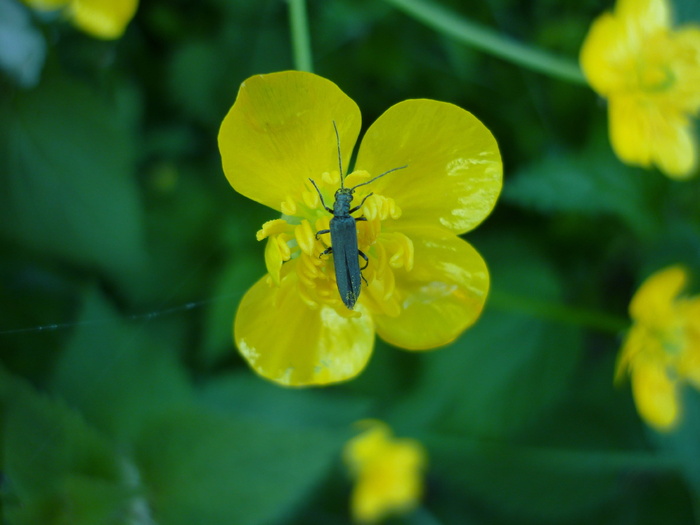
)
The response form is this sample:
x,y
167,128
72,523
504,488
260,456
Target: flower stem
x,y
466,31
561,459
600,321
301,44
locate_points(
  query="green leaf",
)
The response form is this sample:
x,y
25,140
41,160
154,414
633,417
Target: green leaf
x,y
116,374
239,275
67,188
207,468
57,468
248,395
592,182
535,484
508,369
684,441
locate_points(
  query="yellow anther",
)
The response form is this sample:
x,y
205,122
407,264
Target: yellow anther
x,y
305,237
289,206
272,227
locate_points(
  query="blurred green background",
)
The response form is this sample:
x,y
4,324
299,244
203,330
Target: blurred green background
x,y
125,253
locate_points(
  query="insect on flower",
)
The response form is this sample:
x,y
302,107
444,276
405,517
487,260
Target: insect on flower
x,y
348,273
425,173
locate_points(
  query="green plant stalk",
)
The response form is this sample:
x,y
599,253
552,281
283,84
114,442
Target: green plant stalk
x,y
467,32
564,459
556,312
301,43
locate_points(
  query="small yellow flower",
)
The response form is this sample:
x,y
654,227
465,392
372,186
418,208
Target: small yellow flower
x,y
662,349
424,285
388,473
650,74
106,19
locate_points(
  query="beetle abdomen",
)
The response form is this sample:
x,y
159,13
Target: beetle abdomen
x,y
346,259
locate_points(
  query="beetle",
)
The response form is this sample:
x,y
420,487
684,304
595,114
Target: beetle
x,y
343,230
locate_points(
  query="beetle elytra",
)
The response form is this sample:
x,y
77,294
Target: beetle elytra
x,y
343,230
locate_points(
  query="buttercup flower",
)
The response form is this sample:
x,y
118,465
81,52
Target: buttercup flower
x,y
423,284
662,349
388,473
650,74
106,19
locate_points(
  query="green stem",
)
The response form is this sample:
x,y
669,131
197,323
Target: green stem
x,y
301,44
572,460
600,321
450,23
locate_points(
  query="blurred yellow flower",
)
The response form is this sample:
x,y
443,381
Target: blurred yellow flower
x,y
650,74
424,285
106,19
388,473
662,349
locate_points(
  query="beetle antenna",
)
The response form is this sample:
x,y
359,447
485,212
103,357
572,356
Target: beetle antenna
x,y
378,177
340,157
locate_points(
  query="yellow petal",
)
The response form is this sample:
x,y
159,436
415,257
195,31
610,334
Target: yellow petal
x,y
630,131
634,344
674,146
653,302
689,365
686,68
605,55
441,296
454,168
655,395
389,473
103,18
279,133
391,485
285,341
643,17
643,133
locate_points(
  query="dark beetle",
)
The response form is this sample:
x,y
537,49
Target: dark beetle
x,y
348,274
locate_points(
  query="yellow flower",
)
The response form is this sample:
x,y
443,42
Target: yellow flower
x,y
662,349
106,19
650,74
424,285
388,473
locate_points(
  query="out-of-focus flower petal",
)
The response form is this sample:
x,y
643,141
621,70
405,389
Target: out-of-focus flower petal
x,y
103,18
655,394
454,169
279,133
643,18
686,68
646,134
388,472
603,55
653,301
287,342
441,296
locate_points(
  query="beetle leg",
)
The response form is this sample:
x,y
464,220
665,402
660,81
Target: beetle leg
x,y
321,232
365,258
325,252
321,197
361,203
360,219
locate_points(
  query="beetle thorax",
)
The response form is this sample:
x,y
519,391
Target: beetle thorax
x,y
343,198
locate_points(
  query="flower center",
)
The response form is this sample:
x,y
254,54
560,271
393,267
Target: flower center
x,y
653,71
295,247
655,78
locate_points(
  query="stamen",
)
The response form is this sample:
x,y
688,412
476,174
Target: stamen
x,y
272,227
305,237
289,206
